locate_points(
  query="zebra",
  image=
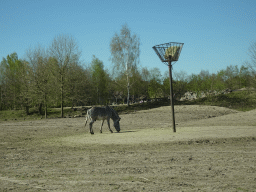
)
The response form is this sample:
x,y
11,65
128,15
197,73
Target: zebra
x,y
103,113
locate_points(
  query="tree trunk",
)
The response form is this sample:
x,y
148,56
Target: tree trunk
x,y
128,91
128,95
62,114
40,109
27,110
45,107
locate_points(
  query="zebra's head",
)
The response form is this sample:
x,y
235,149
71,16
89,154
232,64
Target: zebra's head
x,y
116,124
115,118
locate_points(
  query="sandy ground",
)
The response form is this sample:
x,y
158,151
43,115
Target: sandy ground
x,y
214,149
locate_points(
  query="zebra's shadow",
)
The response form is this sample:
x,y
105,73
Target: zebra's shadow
x,y
126,132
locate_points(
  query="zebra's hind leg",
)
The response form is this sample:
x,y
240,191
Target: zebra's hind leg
x,y
91,131
101,126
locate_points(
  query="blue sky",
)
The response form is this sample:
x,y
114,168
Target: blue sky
x,y
215,33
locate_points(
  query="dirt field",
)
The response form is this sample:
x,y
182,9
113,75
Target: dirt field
x,y
214,149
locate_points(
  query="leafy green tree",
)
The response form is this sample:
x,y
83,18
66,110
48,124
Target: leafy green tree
x,y
10,69
24,74
195,82
116,89
219,81
166,86
155,83
244,77
205,80
139,87
119,87
100,81
231,73
145,76
2,85
179,85
79,85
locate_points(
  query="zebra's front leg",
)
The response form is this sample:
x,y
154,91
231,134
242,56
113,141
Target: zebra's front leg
x,y
91,131
109,126
101,126
86,119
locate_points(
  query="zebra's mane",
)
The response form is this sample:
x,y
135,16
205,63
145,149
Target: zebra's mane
x,y
116,116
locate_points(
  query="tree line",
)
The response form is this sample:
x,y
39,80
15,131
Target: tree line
x,y
45,78
56,77
233,77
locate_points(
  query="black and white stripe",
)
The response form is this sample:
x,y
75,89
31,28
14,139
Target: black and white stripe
x,y
103,113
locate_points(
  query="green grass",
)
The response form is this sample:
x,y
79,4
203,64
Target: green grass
x,y
12,114
7,115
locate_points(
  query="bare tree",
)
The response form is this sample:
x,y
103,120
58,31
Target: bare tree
x,y
252,64
64,50
252,54
125,51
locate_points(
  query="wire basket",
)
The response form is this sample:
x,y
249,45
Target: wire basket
x,y
168,52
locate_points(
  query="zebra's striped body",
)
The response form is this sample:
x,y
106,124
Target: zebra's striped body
x,y
103,113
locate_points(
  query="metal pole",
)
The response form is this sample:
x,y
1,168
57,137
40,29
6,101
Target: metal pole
x,y
171,93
